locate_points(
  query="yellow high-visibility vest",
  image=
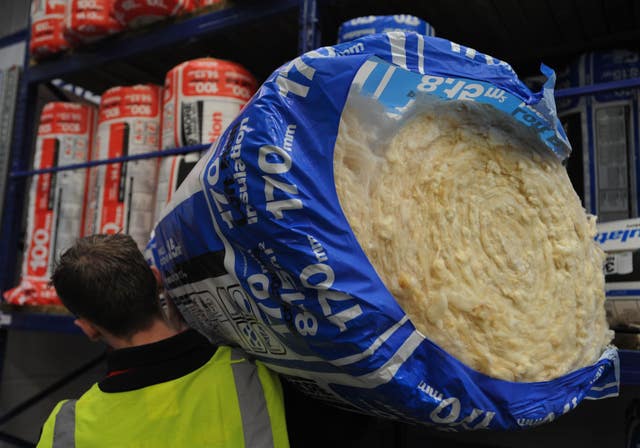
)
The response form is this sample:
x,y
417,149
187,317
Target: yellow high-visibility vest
x,y
228,402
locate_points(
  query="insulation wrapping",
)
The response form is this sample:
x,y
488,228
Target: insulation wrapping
x,y
256,250
47,27
122,194
56,200
201,98
363,26
89,20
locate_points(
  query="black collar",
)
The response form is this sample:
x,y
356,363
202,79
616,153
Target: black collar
x,y
137,367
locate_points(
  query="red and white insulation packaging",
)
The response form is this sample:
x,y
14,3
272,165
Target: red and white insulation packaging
x,y
122,194
89,20
205,3
134,13
56,200
47,27
201,98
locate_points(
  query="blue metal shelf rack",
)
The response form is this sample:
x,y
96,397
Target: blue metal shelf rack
x,y
157,38
182,31
51,320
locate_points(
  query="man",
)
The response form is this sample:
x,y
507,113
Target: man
x,y
164,387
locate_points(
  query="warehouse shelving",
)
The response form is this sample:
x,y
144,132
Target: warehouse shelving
x,y
160,37
134,57
87,69
142,56
92,163
51,318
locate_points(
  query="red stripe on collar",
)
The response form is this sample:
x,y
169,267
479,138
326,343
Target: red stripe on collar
x,y
117,372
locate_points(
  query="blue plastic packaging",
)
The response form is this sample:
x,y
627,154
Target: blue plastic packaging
x,y
255,250
363,26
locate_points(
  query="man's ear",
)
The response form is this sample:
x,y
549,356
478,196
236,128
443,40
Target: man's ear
x,y
156,274
92,332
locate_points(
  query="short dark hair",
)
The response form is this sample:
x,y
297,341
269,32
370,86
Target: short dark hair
x,y
106,280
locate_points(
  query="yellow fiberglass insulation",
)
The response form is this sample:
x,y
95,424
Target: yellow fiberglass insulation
x,y
474,227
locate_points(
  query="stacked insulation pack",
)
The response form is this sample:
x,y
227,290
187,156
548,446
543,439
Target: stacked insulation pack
x,y
201,98
603,129
122,194
133,14
56,200
47,27
364,26
89,20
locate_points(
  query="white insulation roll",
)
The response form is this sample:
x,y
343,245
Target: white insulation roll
x,y
57,199
47,28
133,14
122,194
201,98
89,20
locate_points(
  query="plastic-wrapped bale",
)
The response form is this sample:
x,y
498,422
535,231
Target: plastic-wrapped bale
x,y
56,200
123,193
90,20
47,28
137,13
201,98
364,26
388,222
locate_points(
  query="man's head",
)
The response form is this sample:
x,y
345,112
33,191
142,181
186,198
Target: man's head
x,y
104,279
